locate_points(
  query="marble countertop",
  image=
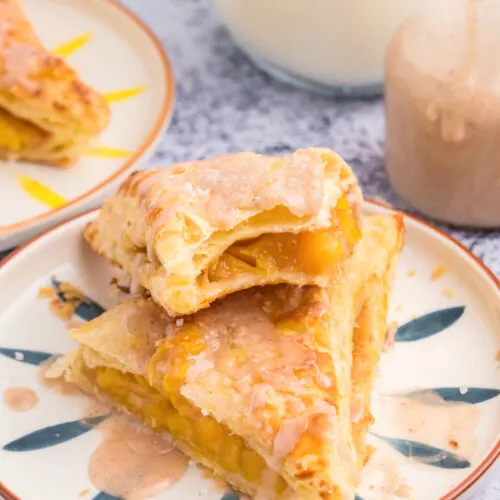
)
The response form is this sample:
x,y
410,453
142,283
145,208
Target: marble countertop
x,y
225,104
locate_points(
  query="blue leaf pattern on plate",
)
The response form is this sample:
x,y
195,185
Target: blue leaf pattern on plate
x,y
85,310
417,329
428,324
53,435
105,496
426,454
472,395
23,356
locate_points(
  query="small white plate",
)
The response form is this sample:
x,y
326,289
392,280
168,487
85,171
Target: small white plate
x,y
448,340
117,54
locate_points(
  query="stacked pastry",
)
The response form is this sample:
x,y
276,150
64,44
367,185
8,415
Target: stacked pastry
x,y
257,341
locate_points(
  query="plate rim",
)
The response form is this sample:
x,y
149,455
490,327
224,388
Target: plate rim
x,y
160,124
476,474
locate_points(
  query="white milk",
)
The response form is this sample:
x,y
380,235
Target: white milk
x,y
336,43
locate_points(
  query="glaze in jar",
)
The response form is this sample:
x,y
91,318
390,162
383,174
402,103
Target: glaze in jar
x,y
443,111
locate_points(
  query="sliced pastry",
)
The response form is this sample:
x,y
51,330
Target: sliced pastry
x,y
379,253
195,232
257,387
47,113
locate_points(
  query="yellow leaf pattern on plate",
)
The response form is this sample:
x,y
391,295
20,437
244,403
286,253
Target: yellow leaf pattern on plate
x,y
40,192
121,95
105,152
66,49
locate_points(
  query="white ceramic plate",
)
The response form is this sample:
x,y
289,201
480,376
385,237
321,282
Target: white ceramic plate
x,y
444,342
115,53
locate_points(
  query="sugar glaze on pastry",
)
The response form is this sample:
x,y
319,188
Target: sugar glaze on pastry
x,y
193,232
261,382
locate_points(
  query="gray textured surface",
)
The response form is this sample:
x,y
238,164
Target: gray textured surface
x,y
224,104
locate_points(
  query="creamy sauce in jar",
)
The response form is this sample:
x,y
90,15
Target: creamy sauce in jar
x,y
443,112
20,399
134,462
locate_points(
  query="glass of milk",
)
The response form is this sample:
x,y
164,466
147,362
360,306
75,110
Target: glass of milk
x,y
332,46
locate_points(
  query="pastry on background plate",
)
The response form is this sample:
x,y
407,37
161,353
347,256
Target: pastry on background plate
x,y
195,232
47,114
257,387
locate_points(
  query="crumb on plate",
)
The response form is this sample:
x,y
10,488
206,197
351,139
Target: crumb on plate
x,y
46,292
71,292
65,298
63,310
438,271
390,336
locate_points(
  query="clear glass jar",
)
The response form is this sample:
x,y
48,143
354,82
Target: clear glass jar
x,y
335,47
442,101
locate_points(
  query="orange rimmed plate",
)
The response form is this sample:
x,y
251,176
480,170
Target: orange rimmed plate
x,y
119,56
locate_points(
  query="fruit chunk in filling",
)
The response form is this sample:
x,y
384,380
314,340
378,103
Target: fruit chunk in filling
x,y
222,399
17,134
317,252
202,435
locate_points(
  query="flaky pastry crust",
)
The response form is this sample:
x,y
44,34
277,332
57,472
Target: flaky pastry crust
x,y
171,228
289,399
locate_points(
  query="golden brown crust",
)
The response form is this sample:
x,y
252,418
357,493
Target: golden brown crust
x,y
370,333
44,90
78,372
301,427
290,398
167,227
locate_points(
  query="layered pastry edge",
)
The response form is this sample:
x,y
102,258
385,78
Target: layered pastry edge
x,y
253,408
194,232
376,283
